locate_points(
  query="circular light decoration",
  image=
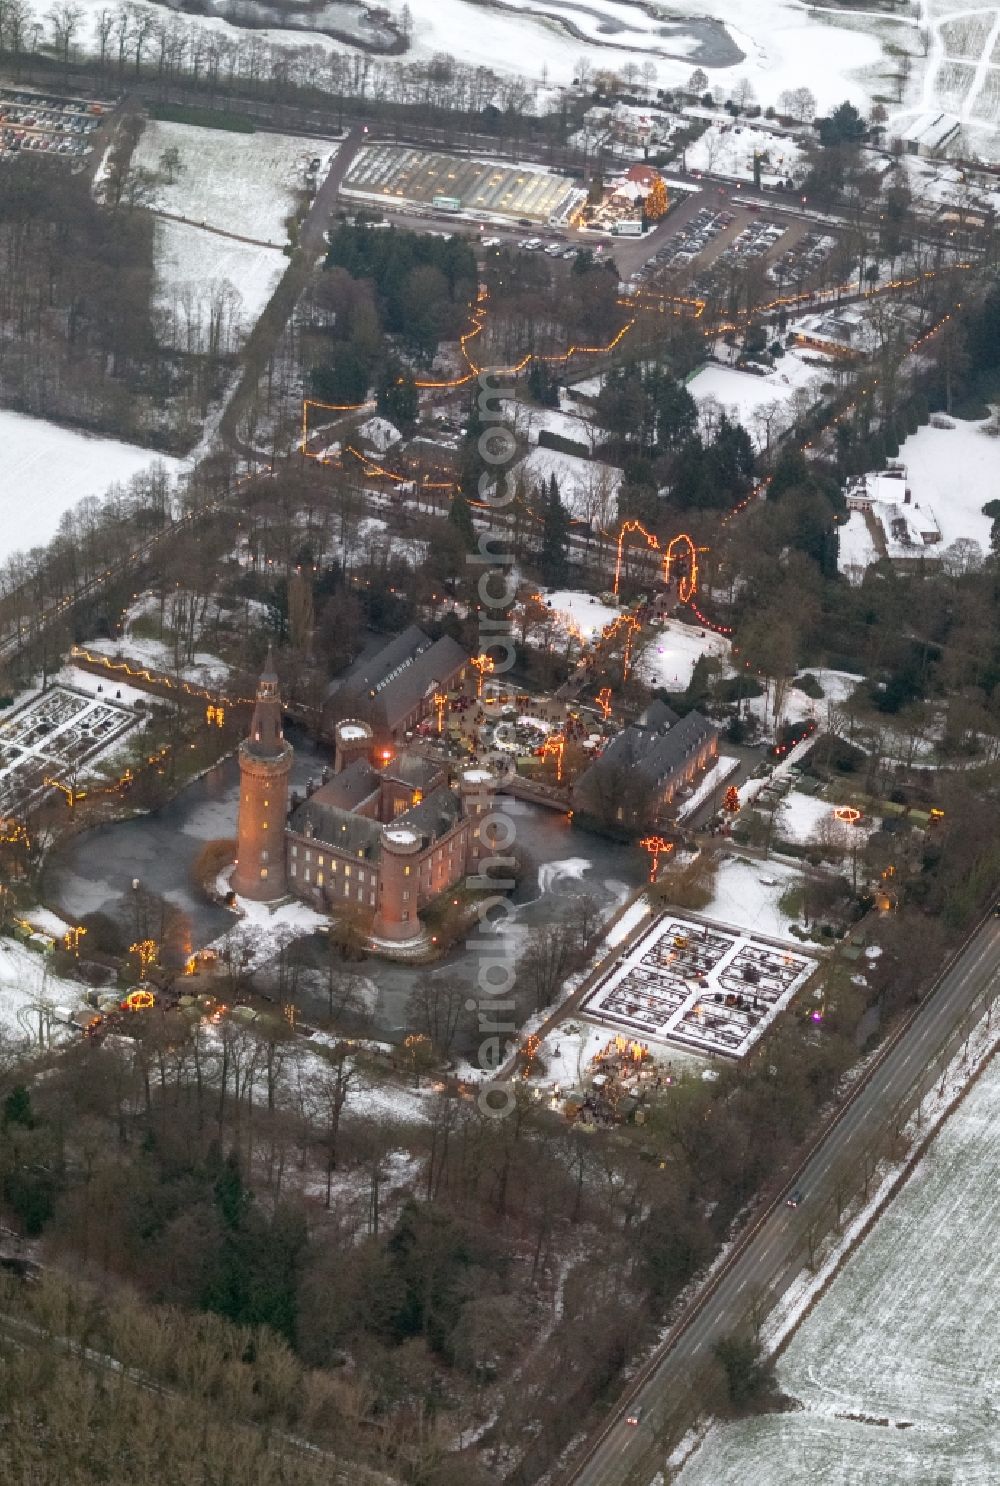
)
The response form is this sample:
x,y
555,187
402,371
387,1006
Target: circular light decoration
x,y
848,814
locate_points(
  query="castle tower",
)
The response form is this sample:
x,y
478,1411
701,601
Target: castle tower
x,y
398,886
265,763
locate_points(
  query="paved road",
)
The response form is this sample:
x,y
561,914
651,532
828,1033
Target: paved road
x,y
629,1455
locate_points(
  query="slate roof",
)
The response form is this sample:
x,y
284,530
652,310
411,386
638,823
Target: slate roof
x,y
434,816
658,716
329,826
346,790
401,674
654,755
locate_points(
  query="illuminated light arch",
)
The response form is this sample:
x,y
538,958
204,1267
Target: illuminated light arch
x,y
555,747
687,584
631,625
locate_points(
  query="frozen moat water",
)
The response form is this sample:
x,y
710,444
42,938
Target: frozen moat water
x,y
94,872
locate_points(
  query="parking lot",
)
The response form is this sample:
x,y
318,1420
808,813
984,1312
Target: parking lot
x,y
491,191
704,228
44,123
707,988
802,262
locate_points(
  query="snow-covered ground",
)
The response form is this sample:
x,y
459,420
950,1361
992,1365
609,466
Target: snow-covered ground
x,y
729,149
857,551
906,1337
671,655
580,611
802,818
30,994
195,268
933,457
588,488
960,74
836,686
245,184
767,404
747,896
47,470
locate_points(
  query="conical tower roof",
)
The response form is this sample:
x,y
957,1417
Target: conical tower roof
x,y
267,736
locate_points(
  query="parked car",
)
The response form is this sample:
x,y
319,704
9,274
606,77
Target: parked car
x,y
794,1198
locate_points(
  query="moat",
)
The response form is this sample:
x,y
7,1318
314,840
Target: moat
x,y
95,872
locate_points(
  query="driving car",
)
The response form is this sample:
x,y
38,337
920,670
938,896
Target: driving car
x,y
634,1416
794,1197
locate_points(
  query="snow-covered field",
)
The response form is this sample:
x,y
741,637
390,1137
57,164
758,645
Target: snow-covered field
x,y
933,456
544,41
747,896
193,266
670,657
30,994
581,611
47,470
729,149
245,184
907,1337
227,186
802,818
763,404
961,73
857,551
588,488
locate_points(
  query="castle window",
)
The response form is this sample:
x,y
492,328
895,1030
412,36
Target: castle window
x,y
406,871
263,825
309,856
263,871
360,894
308,875
263,856
321,862
406,914
406,897
295,851
319,879
371,899
266,803
347,889
347,870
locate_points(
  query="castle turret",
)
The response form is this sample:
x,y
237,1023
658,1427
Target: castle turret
x,y
265,764
353,739
398,885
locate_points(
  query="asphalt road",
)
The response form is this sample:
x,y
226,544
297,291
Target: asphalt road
x,y
627,1455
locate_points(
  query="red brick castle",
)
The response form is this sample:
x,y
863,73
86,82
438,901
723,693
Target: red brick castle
x,y
381,837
